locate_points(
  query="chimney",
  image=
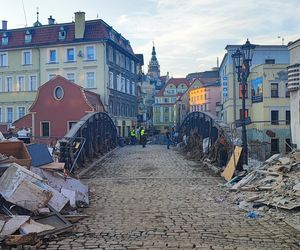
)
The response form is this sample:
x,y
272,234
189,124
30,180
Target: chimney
x,y
4,25
79,24
51,20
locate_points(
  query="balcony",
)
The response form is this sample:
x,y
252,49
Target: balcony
x,y
293,77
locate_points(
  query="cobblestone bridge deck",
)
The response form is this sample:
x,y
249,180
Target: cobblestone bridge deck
x,y
153,198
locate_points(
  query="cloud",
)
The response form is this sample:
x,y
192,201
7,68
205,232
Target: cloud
x,y
189,35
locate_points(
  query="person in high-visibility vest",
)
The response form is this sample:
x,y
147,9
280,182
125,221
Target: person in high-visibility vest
x,y
133,136
143,137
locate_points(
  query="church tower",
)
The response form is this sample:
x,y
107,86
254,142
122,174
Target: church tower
x,y
153,67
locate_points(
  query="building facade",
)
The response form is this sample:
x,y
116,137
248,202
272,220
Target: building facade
x,y
90,53
294,88
231,97
59,104
165,99
269,131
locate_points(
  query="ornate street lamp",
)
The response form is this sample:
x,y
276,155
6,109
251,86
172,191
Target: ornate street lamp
x,y
242,59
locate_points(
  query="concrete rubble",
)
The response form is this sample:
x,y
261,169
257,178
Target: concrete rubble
x,y
36,202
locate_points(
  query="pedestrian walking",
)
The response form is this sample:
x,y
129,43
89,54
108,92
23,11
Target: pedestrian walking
x,y
169,141
143,137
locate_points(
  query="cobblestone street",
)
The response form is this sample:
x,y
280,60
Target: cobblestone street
x,y
153,198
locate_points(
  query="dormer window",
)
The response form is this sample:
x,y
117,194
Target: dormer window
x,y
28,37
62,33
4,39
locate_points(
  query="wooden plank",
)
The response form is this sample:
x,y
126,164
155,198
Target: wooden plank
x,y
18,240
54,166
13,224
231,165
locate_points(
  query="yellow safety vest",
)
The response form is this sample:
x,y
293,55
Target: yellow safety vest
x,y
132,133
142,132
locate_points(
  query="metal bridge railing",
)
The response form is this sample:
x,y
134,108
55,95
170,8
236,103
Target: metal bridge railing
x,y
95,134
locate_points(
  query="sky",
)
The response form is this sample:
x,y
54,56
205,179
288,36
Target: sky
x,y
189,35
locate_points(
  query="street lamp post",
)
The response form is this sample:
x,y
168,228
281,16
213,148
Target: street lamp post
x,y
242,59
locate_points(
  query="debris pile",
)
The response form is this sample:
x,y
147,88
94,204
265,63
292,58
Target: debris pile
x,y
36,200
273,184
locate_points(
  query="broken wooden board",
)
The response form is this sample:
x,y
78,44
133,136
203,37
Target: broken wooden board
x,y
75,217
54,166
18,240
13,224
231,166
34,227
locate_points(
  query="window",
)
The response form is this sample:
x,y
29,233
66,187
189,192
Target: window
x,y
132,67
123,84
119,82
241,90
287,92
51,76
70,55
111,80
133,88
90,80
287,117
241,114
52,56
90,53
21,83
0,114
71,124
71,77
8,84
4,39
21,112
274,90
270,61
32,83
111,107
274,146
3,59
58,93
118,109
274,117
127,86
27,58
61,33
28,36
110,54
9,115
45,129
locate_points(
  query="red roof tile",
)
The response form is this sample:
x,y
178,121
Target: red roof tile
x,y
48,35
177,81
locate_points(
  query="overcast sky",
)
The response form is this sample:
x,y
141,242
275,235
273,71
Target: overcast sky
x,y
189,35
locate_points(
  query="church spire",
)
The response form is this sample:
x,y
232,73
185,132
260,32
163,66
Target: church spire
x,y
153,67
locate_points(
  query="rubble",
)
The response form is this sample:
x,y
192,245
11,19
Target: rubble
x,y
274,184
34,200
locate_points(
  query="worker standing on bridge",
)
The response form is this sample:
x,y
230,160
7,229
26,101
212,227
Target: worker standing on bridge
x,y
143,137
132,136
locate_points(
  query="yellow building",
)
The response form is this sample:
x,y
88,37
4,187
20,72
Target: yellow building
x,y
90,53
270,109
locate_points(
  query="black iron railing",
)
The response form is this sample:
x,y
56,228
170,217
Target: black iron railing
x,y
94,135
